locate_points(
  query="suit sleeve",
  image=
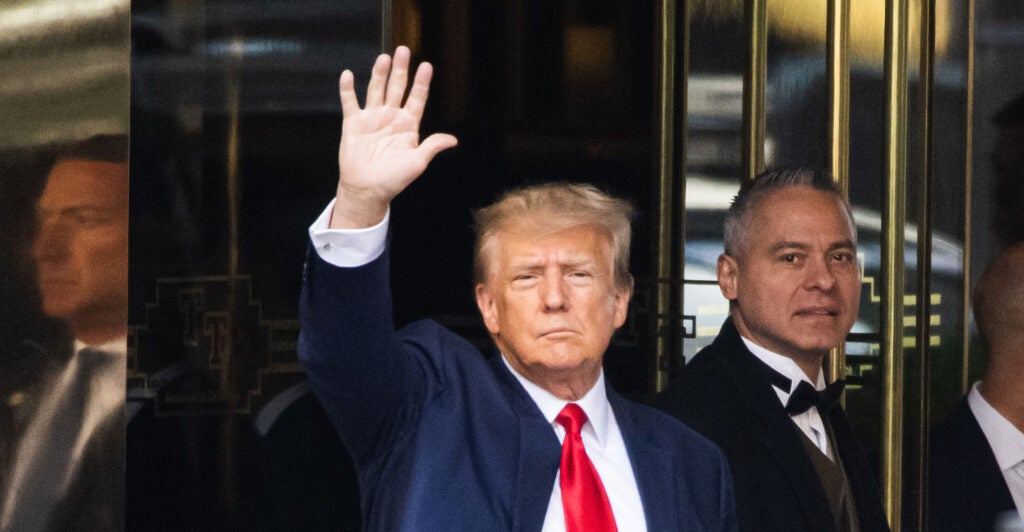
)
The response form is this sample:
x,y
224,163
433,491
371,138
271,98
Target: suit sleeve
x,y
370,382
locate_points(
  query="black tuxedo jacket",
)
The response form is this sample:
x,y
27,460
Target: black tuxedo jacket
x,y
725,395
966,489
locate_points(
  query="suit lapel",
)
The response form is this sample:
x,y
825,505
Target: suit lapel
x,y
539,454
656,484
985,485
781,437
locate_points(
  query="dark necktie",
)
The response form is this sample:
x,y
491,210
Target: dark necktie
x,y
583,497
41,491
805,396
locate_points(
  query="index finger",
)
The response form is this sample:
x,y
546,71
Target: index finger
x,y
347,93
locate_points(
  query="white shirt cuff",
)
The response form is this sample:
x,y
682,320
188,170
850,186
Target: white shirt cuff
x,y
348,248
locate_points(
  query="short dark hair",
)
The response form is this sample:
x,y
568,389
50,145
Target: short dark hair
x,y
753,191
104,148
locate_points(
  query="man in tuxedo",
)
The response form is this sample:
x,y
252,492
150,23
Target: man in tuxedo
x,y
790,274
532,439
67,470
976,470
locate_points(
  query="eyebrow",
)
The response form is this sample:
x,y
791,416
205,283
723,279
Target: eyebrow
x,y
789,244
529,264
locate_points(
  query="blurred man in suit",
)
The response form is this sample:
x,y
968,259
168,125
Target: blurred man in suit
x,y
791,276
67,471
976,474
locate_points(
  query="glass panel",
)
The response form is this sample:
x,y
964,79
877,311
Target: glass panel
x,y
713,161
536,91
235,125
64,268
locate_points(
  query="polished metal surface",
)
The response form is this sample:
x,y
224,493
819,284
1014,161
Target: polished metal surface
x,y
893,220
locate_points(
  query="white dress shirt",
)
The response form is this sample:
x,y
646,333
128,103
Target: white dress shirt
x,y
32,468
1007,442
809,422
601,435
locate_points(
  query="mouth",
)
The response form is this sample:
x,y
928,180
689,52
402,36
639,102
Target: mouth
x,y
557,333
817,312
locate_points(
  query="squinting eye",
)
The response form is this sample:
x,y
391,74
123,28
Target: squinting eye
x,y
524,280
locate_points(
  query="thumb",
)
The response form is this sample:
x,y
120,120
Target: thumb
x,y
435,144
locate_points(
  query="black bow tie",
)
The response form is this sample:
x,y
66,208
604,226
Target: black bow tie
x,y
805,396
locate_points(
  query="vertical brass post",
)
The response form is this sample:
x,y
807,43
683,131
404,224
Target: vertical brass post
x,y
968,179
924,254
754,98
837,68
893,219
666,162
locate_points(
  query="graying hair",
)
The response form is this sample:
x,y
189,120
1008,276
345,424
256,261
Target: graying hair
x,y
561,205
754,191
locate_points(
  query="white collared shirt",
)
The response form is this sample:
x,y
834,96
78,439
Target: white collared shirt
x,y
1006,440
809,422
347,248
605,447
601,435
106,396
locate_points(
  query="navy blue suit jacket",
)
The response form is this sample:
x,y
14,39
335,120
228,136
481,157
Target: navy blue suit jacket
x,y
966,488
444,439
724,393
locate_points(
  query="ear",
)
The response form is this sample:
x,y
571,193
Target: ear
x,y
488,309
622,297
728,270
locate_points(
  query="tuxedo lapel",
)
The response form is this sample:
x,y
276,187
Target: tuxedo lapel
x,y
539,453
781,437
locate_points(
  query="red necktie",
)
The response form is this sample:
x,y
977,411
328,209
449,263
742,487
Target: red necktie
x,y
583,497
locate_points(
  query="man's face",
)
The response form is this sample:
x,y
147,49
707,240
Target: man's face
x,y
550,302
795,284
81,250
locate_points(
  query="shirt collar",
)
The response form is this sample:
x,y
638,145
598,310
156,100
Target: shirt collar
x,y
1006,440
784,365
117,347
109,384
594,403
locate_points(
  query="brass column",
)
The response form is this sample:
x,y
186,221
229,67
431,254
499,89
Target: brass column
x,y
837,69
893,219
924,255
673,65
756,22
968,173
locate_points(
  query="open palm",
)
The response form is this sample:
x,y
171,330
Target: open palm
x,y
380,152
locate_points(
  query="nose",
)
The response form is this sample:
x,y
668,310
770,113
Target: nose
x,y
51,242
819,275
553,293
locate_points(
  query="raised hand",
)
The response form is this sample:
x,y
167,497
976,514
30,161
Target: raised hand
x,y
380,151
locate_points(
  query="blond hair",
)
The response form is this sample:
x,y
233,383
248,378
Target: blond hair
x,y
557,206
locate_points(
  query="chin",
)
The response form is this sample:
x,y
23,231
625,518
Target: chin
x,y
821,345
